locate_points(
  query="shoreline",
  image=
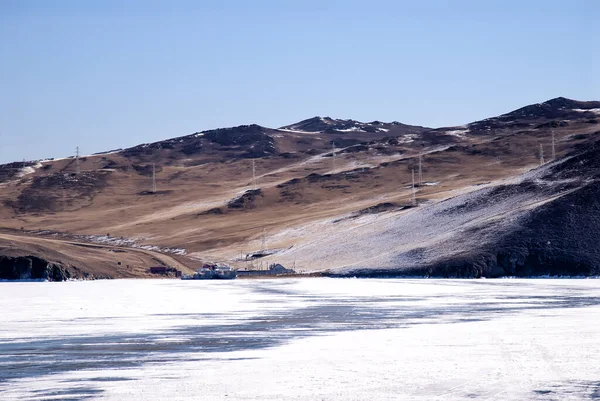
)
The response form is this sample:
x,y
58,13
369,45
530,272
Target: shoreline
x,y
319,275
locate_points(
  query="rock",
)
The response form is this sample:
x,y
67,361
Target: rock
x,y
246,201
215,211
31,268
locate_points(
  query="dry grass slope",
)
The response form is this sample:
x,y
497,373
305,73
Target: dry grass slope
x,y
318,213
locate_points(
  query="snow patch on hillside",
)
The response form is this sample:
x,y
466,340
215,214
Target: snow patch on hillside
x,y
419,236
459,133
408,138
351,129
595,111
119,242
296,130
28,170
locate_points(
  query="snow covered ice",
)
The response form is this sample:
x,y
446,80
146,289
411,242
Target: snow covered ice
x,y
301,339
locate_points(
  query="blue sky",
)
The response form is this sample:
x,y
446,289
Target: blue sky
x,y
109,74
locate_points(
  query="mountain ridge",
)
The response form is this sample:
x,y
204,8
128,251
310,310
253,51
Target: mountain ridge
x,y
218,190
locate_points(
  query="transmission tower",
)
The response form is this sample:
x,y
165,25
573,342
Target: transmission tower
x,y
264,241
414,190
153,177
553,145
420,169
333,156
253,174
541,155
77,167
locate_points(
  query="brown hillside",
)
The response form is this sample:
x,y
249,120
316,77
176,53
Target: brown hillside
x,y
206,207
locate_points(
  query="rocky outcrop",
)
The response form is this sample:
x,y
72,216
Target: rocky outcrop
x,y
550,114
12,170
245,201
32,268
244,141
336,126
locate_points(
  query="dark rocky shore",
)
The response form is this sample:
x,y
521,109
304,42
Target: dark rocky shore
x,y
32,268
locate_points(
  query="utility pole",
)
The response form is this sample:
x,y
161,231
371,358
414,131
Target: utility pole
x,y
541,155
553,146
253,174
264,241
420,169
333,156
77,167
414,190
153,177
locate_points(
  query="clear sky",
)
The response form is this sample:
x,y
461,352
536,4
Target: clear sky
x,y
108,74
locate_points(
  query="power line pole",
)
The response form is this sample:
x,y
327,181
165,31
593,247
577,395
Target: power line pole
x,y
264,241
77,167
333,156
541,155
553,146
253,174
153,177
414,190
420,169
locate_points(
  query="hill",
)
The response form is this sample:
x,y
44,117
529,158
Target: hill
x,y
480,193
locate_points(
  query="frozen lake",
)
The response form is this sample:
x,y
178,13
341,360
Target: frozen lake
x,y
301,339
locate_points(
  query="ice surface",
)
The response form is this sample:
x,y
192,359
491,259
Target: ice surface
x,y
301,339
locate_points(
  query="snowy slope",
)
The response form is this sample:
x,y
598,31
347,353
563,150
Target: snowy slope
x,y
505,228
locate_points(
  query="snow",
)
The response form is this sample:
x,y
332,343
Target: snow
x,y
28,170
415,237
407,138
176,251
126,242
595,111
54,159
109,152
301,339
297,131
351,129
459,133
